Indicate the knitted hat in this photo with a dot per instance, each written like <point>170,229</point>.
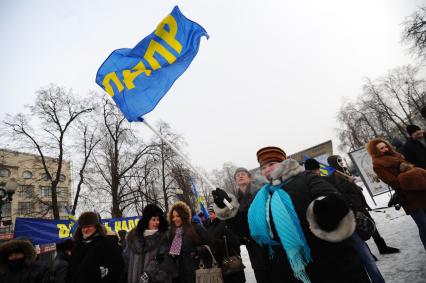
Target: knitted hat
<point>241,169</point>
<point>311,164</point>
<point>88,218</point>
<point>412,128</point>
<point>270,154</point>
<point>210,209</point>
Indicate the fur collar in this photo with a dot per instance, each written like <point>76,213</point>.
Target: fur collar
<point>18,244</point>
<point>225,213</point>
<point>285,170</point>
<point>345,229</point>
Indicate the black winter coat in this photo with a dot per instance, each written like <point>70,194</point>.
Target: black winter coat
<point>98,261</point>
<point>217,231</point>
<point>60,266</point>
<point>27,273</point>
<point>333,262</point>
<point>188,260</point>
<point>415,152</point>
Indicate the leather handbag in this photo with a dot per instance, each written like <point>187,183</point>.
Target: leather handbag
<point>365,226</point>
<point>208,275</point>
<point>231,264</point>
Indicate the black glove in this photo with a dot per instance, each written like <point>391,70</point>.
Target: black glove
<point>329,211</point>
<point>218,196</point>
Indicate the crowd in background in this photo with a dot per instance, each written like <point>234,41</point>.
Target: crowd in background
<point>298,227</point>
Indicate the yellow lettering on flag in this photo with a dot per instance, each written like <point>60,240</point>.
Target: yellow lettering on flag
<point>117,226</point>
<point>107,226</point>
<point>124,225</point>
<point>130,76</point>
<point>64,232</point>
<point>154,47</point>
<point>169,36</point>
<point>107,83</point>
<point>131,224</point>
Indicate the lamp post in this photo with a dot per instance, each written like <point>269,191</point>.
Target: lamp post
<point>6,193</point>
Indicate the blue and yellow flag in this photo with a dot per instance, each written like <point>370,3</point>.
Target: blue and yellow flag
<point>138,78</point>
<point>325,170</point>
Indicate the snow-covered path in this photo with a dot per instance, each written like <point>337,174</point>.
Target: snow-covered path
<point>398,230</point>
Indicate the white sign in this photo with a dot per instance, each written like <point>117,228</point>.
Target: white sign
<point>364,164</point>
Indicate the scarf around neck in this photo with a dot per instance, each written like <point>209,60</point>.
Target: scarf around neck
<point>287,226</point>
<point>177,242</point>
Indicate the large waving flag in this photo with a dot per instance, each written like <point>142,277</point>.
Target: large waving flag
<point>138,78</point>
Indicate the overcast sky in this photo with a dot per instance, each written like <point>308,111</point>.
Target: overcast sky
<point>272,72</point>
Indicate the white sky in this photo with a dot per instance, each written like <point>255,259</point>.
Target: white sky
<point>272,72</point>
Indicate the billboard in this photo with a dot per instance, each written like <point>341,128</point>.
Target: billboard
<point>362,161</point>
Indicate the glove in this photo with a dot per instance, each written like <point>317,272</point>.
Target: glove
<point>329,211</point>
<point>218,196</point>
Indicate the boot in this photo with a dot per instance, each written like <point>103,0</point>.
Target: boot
<point>388,250</point>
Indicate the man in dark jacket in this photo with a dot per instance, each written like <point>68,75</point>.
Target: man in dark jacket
<point>18,263</point>
<point>301,222</point>
<point>356,198</point>
<point>245,192</point>
<point>415,146</point>
<point>59,268</point>
<point>96,257</point>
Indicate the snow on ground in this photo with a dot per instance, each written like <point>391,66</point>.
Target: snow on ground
<point>399,231</point>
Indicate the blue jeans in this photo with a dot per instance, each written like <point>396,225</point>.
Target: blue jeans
<point>419,216</point>
<point>367,259</point>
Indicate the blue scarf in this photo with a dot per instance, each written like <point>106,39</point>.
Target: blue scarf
<point>286,223</point>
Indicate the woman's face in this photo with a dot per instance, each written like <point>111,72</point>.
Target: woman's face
<point>154,223</point>
<point>177,221</point>
<point>88,231</point>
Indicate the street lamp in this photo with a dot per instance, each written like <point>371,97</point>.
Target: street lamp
<point>6,193</point>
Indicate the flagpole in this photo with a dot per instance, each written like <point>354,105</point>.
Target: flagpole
<point>185,159</point>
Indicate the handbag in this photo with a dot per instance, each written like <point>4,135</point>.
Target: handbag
<point>231,264</point>
<point>365,226</point>
<point>208,275</point>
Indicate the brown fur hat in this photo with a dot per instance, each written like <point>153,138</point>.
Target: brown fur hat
<point>270,154</point>
<point>22,245</point>
<point>371,147</point>
<point>183,210</point>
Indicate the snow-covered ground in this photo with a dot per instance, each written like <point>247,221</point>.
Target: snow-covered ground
<point>398,230</point>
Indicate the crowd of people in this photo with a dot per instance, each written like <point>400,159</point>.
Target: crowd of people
<point>298,226</point>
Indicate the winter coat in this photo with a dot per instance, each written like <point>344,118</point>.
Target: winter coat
<point>387,169</point>
<point>60,267</point>
<point>415,152</point>
<point>147,254</point>
<point>22,271</point>
<point>333,255</point>
<point>97,259</point>
<point>217,230</point>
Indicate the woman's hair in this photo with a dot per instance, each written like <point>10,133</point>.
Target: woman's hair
<point>372,149</point>
<point>184,213</point>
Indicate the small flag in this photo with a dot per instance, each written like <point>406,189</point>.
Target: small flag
<point>325,170</point>
<point>73,221</point>
<point>199,199</point>
<point>138,78</point>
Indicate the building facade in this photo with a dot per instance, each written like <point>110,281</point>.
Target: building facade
<point>33,197</point>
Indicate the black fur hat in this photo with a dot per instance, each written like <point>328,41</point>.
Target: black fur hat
<point>23,245</point>
<point>311,164</point>
<point>88,218</point>
<point>148,212</point>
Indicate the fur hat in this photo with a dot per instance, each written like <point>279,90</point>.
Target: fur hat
<point>23,245</point>
<point>412,129</point>
<point>241,169</point>
<point>88,218</point>
<point>148,212</point>
<point>183,210</point>
<point>311,164</point>
<point>270,154</point>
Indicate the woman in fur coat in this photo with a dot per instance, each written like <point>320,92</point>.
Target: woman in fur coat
<point>388,165</point>
<point>301,222</point>
<point>96,257</point>
<point>147,247</point>
<point>18,263</point>
<point>187,240</point>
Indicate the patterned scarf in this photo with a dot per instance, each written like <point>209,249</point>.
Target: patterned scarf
<point>177,242</point>
<point>286,223</point>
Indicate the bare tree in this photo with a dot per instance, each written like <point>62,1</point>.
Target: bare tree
<point>118,153</point>
<point>415,32</point>
<point>56,110</point>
